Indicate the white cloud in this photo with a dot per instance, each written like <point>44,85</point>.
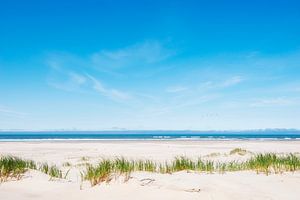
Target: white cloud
<point>175,89</point>
<point>225,83</point>
<point>67,80</point>
<point>185,102</point>
<point>75,73</point>
<point>232,81</point>
<point>75,82</point>
<point>108,92</point>
<point>137,55</point>
<point>77,78</point>
<point>9,112</point>
<point>279,101</point>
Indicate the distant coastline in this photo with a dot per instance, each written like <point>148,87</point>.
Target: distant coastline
<point>155,130</point>
<point>268,134</point>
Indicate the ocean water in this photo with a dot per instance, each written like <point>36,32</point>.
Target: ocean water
<point>150,135</point>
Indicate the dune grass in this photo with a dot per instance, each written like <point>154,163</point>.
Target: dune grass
<point>270,162</point>
<point>84,158</point>
<point>238,151</point>
<point>100,173</point>
<point>13,168</point>
<point>52,170</point>
<point>261,163</point>
<point>67,164</point>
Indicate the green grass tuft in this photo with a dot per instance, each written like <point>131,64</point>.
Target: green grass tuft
<point>67,164</point>
<point>270,162</point>
<point>13,167</point>
<point>238,151</point>
<point>53,171</point>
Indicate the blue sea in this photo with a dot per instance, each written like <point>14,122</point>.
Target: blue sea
<point>150,135</point>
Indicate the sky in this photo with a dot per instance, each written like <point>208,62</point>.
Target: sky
<point>149,65</point>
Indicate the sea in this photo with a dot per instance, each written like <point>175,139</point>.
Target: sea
<point>150,135</point>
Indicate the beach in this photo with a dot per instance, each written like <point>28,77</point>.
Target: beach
<point>72,155</point>
<point>149,100</point>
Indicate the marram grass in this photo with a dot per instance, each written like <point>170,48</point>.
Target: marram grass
<point>13,168</point>
<point>53,171</point>
<point>238,151</point>
<point>270,162</point>
<point>261,163</point>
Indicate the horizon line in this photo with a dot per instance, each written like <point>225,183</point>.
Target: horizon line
<point>150,130</point>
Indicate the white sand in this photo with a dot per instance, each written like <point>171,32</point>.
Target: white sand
<point>182,185</point>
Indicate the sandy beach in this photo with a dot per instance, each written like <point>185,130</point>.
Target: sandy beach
<point>149,100</point>
<point>146,185</point>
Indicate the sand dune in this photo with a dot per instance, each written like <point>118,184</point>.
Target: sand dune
<point>144,185</point>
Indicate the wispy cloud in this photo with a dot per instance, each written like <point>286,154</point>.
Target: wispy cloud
<point>278,101</point>
<point>197,94</point>
<point>77,78</point>
<point>75,82</point>
<point>231,81</point>
<point>74,73</point>
<point>176,89</point>
<point>207,85</point>
<point>137,55</point>
<point>67,81</point>
<point>177,104</point>
<point>108,92</point>
<point>222,83</point>
<point>12,113</point>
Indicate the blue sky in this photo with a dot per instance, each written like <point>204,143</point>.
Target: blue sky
<point>110,65</point>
